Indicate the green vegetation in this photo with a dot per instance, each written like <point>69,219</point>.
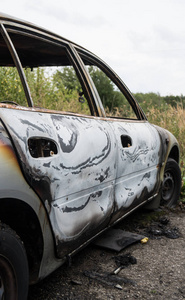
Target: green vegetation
<point>10,86</point>
<point>48,89</point>
<point>172,118</point>
<point>160,102</point>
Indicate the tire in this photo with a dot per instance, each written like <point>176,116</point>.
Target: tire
<point>14,274</point>
<point>171,185</point>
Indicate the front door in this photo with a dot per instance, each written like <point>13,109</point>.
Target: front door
<point>66,158</point>
<point>70,163</point>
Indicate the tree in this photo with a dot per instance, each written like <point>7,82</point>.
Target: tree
<point>66,77</point>
<point>173,100</point>
<point>111,97</point>
<point>10,86</point>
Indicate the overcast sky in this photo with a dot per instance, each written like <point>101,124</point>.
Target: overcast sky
<point>142,40</point>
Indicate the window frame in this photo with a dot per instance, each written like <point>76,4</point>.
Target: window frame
<point>88,56</point>
<point>70,52</point>
<point>76,55</point>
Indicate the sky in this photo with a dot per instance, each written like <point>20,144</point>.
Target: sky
<point>142,40</point>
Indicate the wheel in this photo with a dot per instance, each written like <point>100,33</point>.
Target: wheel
<point>171,184</point>
<point>14,275</point>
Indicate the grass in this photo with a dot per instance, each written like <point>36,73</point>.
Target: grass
<point>172,119</point>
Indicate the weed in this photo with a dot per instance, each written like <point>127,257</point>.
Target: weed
<point>153,292</point>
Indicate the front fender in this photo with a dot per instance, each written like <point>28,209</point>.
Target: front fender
<point>14,186</point>
<point>169,149</point>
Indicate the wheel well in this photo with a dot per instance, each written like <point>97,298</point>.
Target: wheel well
<point>23,220</point>
<point>174,154</point>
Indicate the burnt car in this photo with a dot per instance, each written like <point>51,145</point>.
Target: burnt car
<point>74,161</point>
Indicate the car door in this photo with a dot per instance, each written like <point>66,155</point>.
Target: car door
<point>70,162</point>
<point>138,148</point>
<point>67,158</point>
<point>137,141</point>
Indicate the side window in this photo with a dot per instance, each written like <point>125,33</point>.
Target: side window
<point>50,75</point>
<point>114,101</point>
<point>57,88</point>
<point>11,89</point>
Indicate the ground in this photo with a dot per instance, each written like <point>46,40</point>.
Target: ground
<point>156,271</point>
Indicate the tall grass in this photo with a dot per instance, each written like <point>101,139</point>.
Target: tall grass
<point>172,119</point>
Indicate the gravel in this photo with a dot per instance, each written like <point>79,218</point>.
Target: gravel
<point>158,273</point>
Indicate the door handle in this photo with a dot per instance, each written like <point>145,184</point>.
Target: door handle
<point>126,141</point>
<point>42,147</point>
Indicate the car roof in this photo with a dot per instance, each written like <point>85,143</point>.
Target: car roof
<point>24,26</point>
<point>11,20</point>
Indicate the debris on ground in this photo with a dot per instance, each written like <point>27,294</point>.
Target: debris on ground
<point>162,228</point>
<point>123,261</point>
<point>117,239</point>
<point>76,282</point>
<point>144,241</point>
<point>108,279</point>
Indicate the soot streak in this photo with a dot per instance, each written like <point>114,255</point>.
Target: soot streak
<point>90,161</point>
<point>47,165</point>
<point>136,154</point>
<point>75,209</point>
<point>72,143</point>
<point>147,176</point>
<point>101,178</point>
<point>25,122</point>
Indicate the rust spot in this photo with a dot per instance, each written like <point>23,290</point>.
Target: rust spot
<point>159,166</point>
<point>8,156</point>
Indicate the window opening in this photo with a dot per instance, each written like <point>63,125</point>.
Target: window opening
<point>114,101</point>
<point>11,89</point>
<point>50,75</point>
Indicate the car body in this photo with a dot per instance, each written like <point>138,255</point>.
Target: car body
<point>66,176</point>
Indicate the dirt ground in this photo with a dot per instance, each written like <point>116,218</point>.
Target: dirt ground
<point>156,271</point>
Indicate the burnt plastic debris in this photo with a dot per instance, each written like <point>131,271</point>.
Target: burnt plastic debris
<point>162,228</point>
<point>172,233</point>
<point>164,220</point>
<point>111,279</point>
<point>107,278</point>
<point>125,260</point>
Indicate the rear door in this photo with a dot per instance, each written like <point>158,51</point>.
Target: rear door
<point>137,141</point>
<point>137,177</point>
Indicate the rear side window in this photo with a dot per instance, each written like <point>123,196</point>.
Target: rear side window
<point>115,103</point>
